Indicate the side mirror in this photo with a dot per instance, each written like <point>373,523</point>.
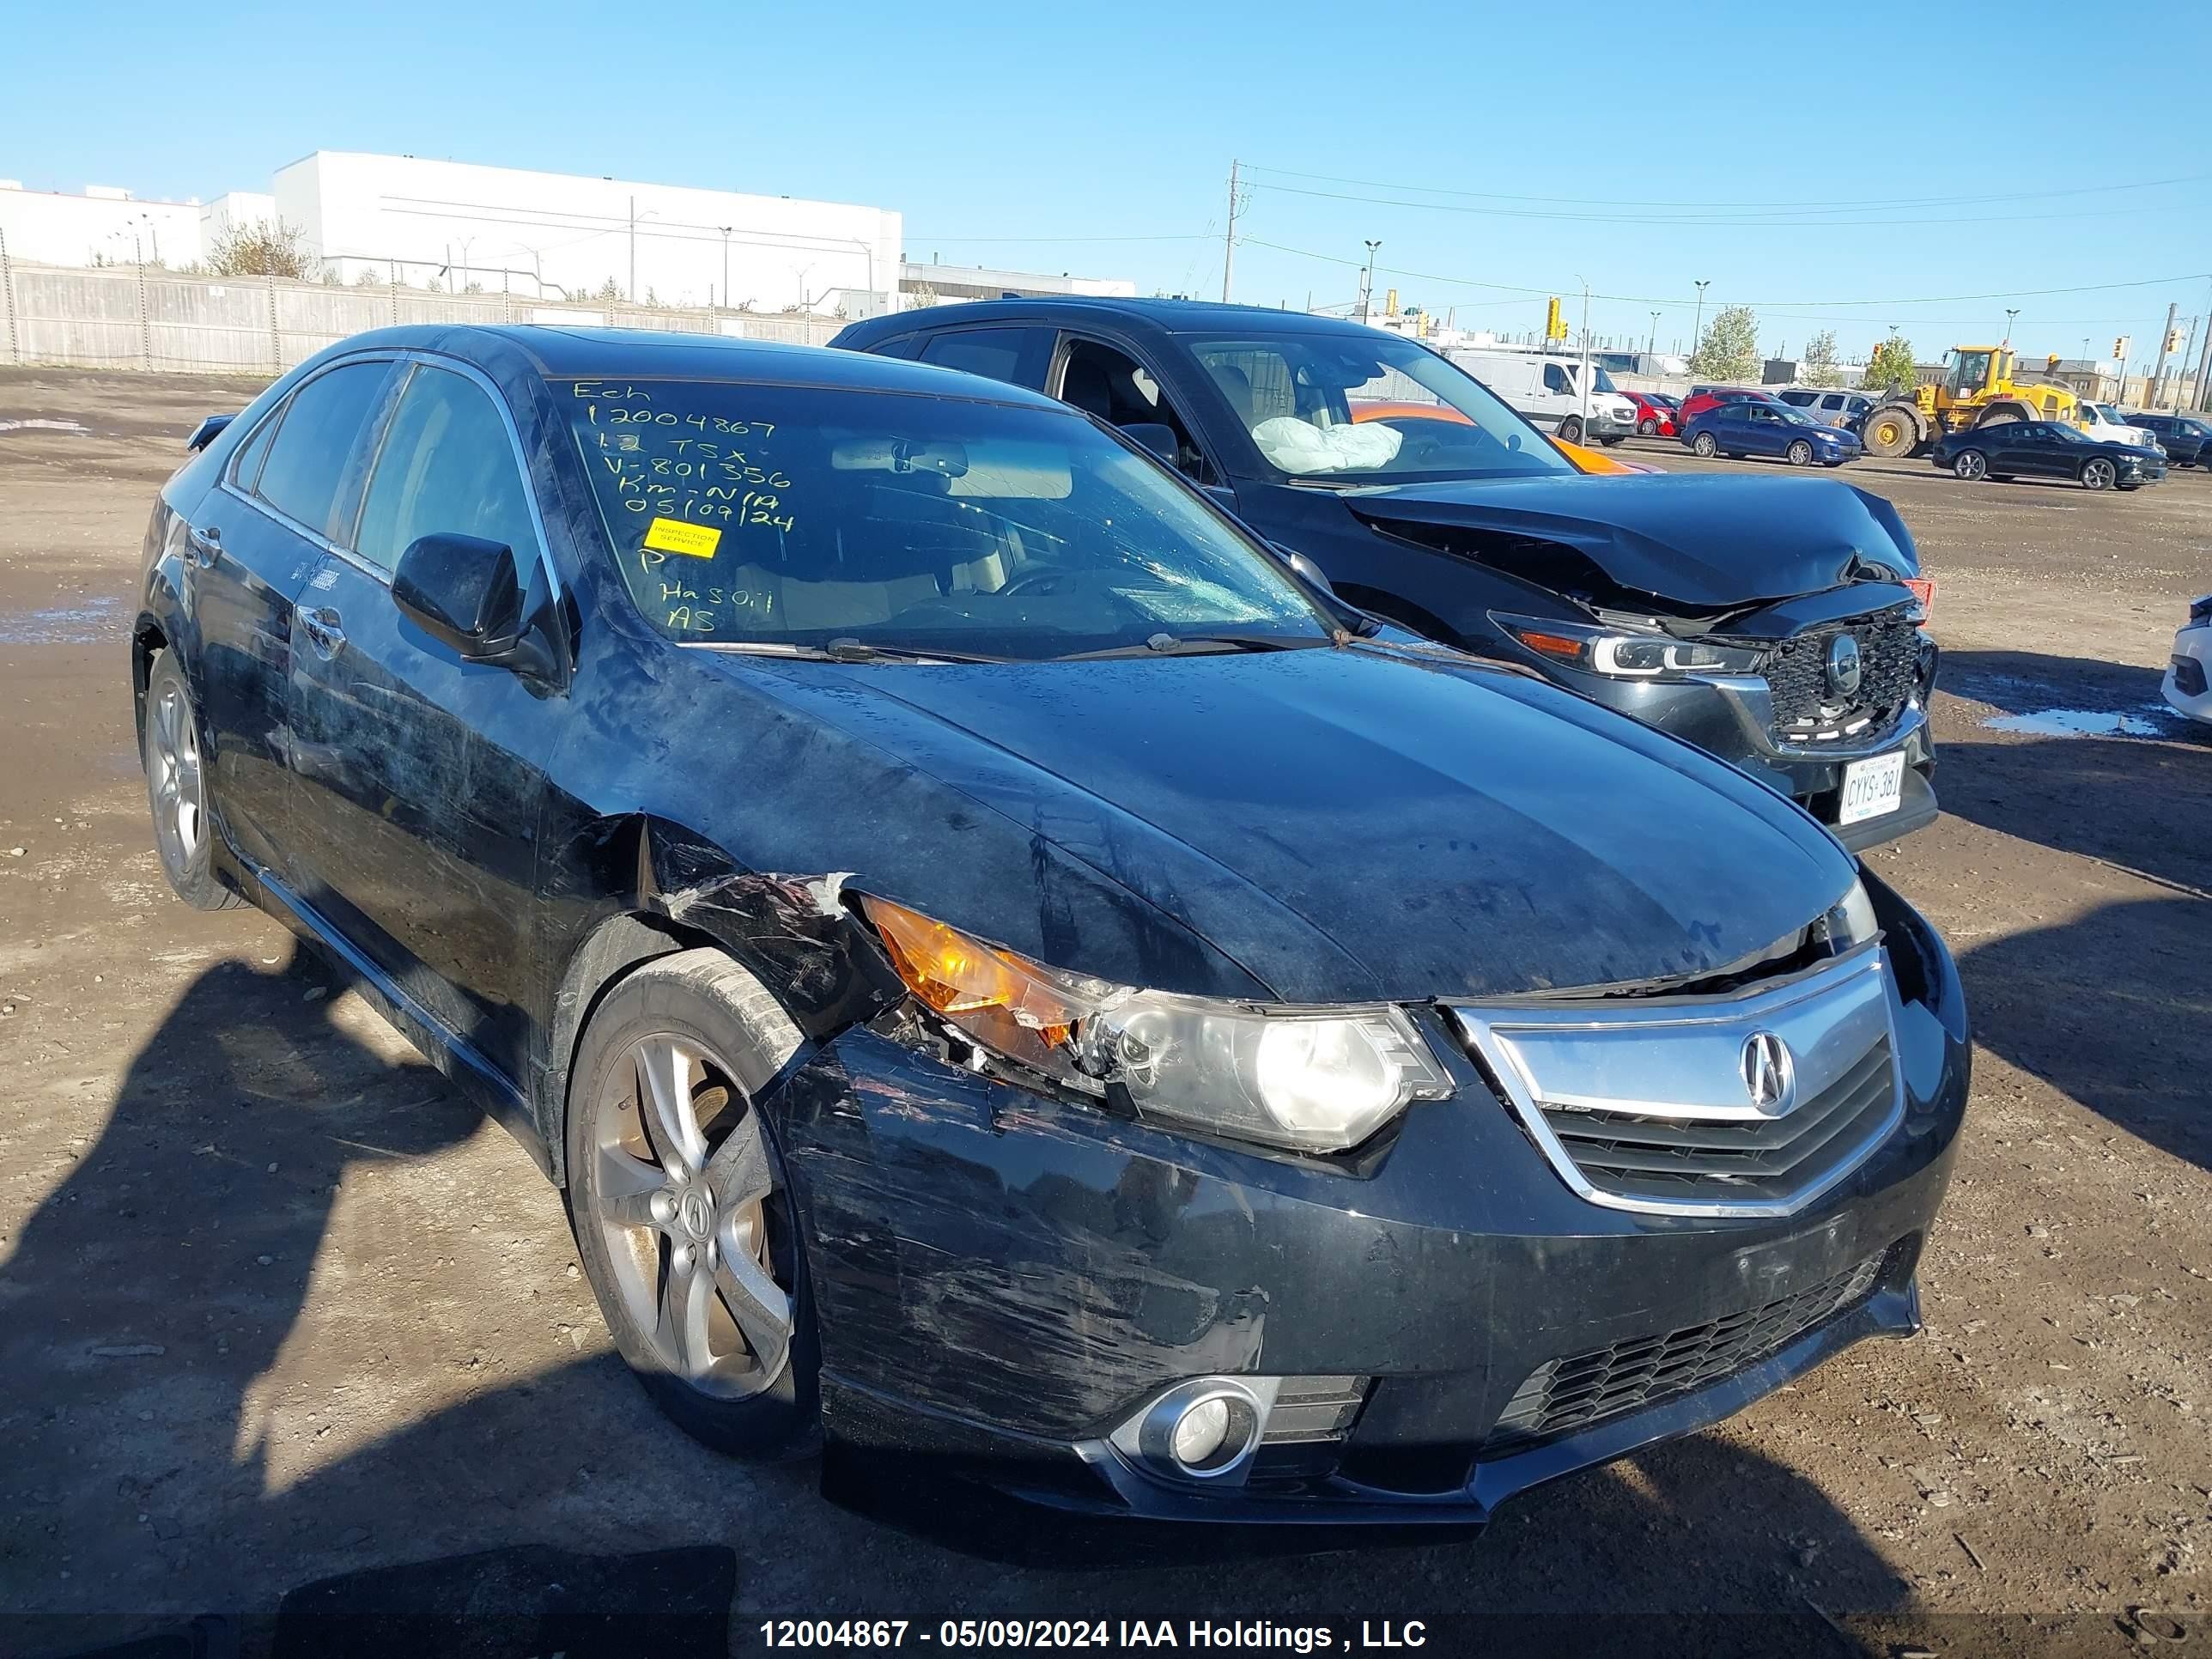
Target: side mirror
<point>1307,571</point>
<point>461,590</point>
<point>1156,435</point>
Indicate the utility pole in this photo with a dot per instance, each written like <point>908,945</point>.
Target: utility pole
<point>1367,281</point>
<point>1229,235</point>
<point>2158,367</point>
<point>726,230</point>
<point>1696,335</point>
<point>1583,381</point>
<point>2181,363</point>
<point>633,250</point>
<point>2203,398</point>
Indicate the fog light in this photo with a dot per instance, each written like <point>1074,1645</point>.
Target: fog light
<point>1199,1431</point>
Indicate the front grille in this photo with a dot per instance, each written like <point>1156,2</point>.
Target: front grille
<point>1637,1156</point>
<point>1562,1395</point>
<point>1806,709</point>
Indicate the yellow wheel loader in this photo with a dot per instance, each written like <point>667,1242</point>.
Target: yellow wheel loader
<point>1976,390</point>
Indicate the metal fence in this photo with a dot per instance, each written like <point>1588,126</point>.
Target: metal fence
<point>142,317</point>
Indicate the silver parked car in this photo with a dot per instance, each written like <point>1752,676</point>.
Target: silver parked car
<point>1826,405</point>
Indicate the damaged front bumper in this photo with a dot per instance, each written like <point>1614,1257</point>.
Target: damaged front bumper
<point>1007,1285</point>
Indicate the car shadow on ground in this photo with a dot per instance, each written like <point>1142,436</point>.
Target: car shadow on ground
<point>145,1304</point>
<point>2131,800</point>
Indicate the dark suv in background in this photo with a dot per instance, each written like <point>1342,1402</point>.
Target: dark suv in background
<point>2184,437</point>
<point>1767,620</point>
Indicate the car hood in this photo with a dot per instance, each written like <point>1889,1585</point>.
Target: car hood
<point>1705,544</point>
<point>1344,824</point>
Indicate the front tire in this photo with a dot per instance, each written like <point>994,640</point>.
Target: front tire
<point>1571,429</point>
<point>683,1212</point>
<point>1892,430</point>
<point>1703,445</point>
<point>2098,473</point>
<point>1972,465</point>
<point>1800,453</point>
<point>177,790</point>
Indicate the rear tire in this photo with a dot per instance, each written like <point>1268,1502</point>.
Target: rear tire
<point>683,1215</point>
<point>177,790</point>
<point>2098,473</point>
<point>1703,445</point>
<point>1647,427</point>
<point>1800,453</point>
<point>2004,414</point>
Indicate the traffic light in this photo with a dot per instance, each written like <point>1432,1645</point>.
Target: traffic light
<point>1555,325</point>
<point>2173,339</point>
<point>2120,346</point>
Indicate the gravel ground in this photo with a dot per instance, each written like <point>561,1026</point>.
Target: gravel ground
<point>275,1304</point>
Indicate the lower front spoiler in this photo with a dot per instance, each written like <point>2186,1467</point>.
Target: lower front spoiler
<point>906,1466</point>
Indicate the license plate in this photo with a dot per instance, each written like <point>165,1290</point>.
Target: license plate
<point>1872,787</point>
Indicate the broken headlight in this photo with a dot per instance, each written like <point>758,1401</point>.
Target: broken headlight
<point>1850,922</point>
<point>1624,654</point>
<point>1314,1080</point>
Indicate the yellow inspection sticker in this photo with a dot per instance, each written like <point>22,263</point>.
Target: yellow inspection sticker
<point>699,541</point>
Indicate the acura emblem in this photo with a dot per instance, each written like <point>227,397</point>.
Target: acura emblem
<point>1770,1077</point>
<point>1844,665</point>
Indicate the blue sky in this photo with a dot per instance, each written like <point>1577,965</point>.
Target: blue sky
<point>1525,147</point>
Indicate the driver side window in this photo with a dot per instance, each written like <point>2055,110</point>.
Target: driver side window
<point>1555,380</point>
<point>1111,384</point>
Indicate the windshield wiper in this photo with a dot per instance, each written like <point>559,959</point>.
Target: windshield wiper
<point>840,650</point>
<point>1170,645</point>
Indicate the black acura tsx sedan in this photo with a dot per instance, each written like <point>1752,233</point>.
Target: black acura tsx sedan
<point>1007,970</point>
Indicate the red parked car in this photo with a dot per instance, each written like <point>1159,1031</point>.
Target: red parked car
<point>1703,397</point>
<point>1655,415</point>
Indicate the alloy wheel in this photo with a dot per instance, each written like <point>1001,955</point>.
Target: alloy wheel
<point>2098,474</point>
<point>1704,444</point>
<point>1801,454</point>
<point>693,1218</point>
<point>1971,466</point>
<point>179,790</point>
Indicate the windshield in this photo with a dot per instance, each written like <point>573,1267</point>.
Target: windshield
<point>792,516</point>
<point>1795,417</point>
<point>1366,407</point>
<point>1600,380</point>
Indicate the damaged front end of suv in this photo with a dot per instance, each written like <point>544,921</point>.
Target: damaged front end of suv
<point>1777,624</point>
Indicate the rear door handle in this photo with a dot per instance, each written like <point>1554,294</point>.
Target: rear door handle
<point>205,546</point>
<point>324,631</point>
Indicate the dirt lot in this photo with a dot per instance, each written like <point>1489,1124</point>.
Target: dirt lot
<point>275,1304</point>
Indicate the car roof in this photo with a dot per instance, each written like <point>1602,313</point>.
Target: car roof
<point>1164,316</point>
<point>558,352</point>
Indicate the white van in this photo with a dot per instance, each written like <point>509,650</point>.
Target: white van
<point>1545,389</point>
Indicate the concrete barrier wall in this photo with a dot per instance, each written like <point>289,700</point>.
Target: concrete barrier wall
<point>146,317</point>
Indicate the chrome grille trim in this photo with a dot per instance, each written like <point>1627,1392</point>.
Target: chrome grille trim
<point>1638,1104</point>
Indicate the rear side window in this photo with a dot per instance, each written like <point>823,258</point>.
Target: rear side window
<point>318,442</point>
<point>447,467</point>
<point>245,469</point>
<point>1012,354</point>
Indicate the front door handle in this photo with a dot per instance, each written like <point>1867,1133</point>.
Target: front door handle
<point>204,546</point>
<point>324,631</point>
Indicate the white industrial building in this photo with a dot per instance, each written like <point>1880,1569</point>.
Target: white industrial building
<point>109,226</point>
<point>459,227</point>
<point>551,234</point>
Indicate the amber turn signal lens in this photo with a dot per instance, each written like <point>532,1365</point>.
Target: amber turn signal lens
<point>956,974</point>
<point>1551,645</point>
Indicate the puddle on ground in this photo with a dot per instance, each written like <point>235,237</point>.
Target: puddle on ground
<point>86,623</point>
<point>2082,723</point>
<point>76,428</point>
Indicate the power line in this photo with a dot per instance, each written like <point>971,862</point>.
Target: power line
<point>1707,222</point>
<point>1808,304</point>
<point>1814,206</point>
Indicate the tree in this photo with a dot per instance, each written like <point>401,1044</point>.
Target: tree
<point>1730,351</point>
<point>608,291</point>
<point>1819,367</point>
<point>261,249</point>
<point>921,296</point>
<point>1890,369</point>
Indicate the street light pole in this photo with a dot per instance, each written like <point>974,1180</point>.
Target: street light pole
<point>1695,340</point>
<point>1367,281</point>
<point>2011,311</point>
<point>726,230</point>
<point>1651,345</point>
